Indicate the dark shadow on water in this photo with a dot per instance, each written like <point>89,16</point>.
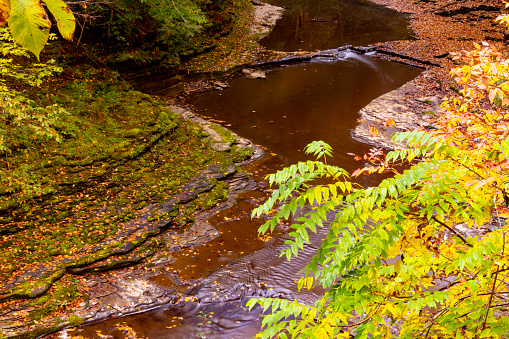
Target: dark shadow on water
<point>323,24</point>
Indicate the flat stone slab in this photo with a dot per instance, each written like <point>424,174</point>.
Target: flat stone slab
<point>406,111</point>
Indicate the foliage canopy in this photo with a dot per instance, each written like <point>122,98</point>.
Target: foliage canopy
<point>23,123</point>
<point>397,255</point>
<point>29,22</point>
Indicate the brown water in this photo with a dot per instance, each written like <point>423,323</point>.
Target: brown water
<point>300,103</point>
<point>322,24</point>
<point>295,105</point>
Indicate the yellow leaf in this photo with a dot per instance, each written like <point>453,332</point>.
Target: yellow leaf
<point>397,266</point>
<point>5,9</point>
<point>391,309</point>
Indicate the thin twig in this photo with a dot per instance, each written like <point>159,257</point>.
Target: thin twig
<point>476,173</point>
<point>440,313</point>
<point>452,230</point>
<point>489,305</point>
<point>175,6</point>
<point>82,29</point>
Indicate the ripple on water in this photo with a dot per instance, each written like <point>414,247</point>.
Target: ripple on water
<point>294,106</point>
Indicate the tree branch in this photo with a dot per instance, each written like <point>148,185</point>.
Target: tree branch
<point>452,230</point>
<point>175,6</point>
<point>489,305</point>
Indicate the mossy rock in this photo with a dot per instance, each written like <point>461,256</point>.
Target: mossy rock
<point>240,154</point>
<point>133,133</point>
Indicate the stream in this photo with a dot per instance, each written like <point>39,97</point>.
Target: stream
<point>296,104</point>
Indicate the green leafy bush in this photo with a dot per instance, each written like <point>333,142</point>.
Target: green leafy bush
<point>398,256</point>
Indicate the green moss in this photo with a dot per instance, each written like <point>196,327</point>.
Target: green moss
<point>34,289</point>
<point>240,154</point>
<point>225,134</point>
<point>121,150</point>
<point>172,213</point>
<point>133,133</point>
<point>124,150</point>
<point>58,298</point>
<point>217,194</point>
<point>74,320</point>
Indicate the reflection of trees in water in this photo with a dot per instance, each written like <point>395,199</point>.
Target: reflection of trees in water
<point>322,24</point>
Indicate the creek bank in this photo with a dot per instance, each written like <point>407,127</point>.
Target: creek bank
<point>441,29</point>
<point>143,233</point>
<point>134,289</point>
<point>148,238</point>
<point>233,52</point>
<point>407,105</point>
<point>404,107</point>
<point>437,37</point>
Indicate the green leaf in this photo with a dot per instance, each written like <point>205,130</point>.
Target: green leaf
<point>64,17</point>
<point>29,24</point>
<point>485,333</point>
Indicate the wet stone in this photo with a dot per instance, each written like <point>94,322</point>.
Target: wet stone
<point>220,171</point>
<point>220,146</point>
<point>254,74</point>
<point>186,196</point>
<point>407,114</point>
<point>200,184</point>
<point>240,182</point>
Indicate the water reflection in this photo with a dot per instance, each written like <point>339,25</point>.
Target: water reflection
<point>323,24</point>
<point>306,102</point>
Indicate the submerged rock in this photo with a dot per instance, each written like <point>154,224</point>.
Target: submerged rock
<point>254,74</point>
